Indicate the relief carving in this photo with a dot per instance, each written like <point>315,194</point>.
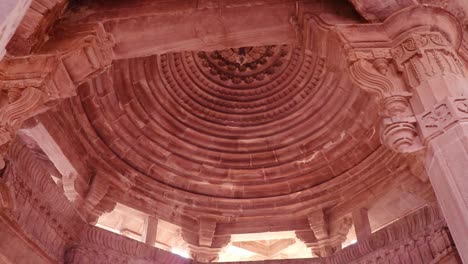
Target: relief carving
<point>15,112</point>
<point>437,118</point>
<point>244,65</point>
<point>443,115</point>
<point>371,70</point>
<point>421,56</point>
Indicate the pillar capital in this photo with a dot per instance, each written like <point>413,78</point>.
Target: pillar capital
<point>203,242</point>
<point>397,61</point>
<point>325,236</point>
<point>420,83</point>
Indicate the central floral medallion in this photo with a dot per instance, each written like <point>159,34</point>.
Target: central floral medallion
<point>244,64</point>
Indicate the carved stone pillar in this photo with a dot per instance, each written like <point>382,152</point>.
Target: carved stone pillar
<point>204,244</point>
<point>325,237</point>
<point>415,68</point>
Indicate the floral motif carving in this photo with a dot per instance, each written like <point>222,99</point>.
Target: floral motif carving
<point>245,64</point>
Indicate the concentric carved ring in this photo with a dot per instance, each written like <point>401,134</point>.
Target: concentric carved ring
<point>176,133</point>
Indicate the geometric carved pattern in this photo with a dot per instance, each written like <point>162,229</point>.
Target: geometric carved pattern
<point>446,113</point>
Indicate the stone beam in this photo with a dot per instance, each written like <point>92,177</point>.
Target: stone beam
<point>266,248</point>
<point>140,33</point>
<point>71,180</point>
<point>11,14</point>
<point>378,10</point>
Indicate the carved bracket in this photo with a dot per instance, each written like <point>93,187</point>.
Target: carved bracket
<point>205,245</point>
<point>371,70</point>
<point>206,232</point>
<point>325,238</point>
<point>318,224</point>
<point>95,202</point>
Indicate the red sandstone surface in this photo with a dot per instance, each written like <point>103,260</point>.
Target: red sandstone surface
<point>249,130</point>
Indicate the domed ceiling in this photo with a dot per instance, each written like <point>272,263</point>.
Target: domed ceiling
<point>236,131</point>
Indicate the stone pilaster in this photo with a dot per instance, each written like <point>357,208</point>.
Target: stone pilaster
<point>421,57</point>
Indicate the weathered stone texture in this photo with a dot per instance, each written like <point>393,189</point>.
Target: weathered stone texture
<point>294,121</point>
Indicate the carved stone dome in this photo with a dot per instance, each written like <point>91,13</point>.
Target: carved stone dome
<point>252,122</point>
<point>232,130</point>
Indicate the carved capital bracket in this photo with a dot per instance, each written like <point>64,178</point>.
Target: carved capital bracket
<point>206,232</point>
<point>204,244</point>
<point>32,84</point>
<point>369,69</point>
<point>372,70</point>
<point>318,224</point>
<point>95,203</point>
<point>325,237</point>
<point>397,61</point>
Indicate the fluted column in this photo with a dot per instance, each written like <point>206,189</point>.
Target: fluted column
<point>422,89</point>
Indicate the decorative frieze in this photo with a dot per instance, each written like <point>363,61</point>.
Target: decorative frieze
<point>425,55</point>
<point>34,206</point>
